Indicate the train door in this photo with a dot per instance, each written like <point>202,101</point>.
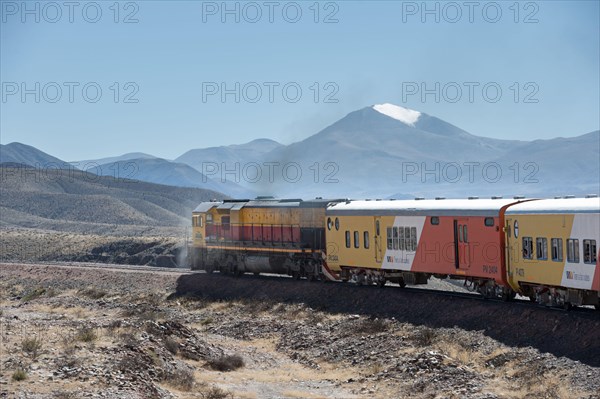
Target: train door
<point>508,250</point>
<point>377,239</point>
<point>461,244</point>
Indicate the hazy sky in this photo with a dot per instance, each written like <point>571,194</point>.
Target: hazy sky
<point>526,70</point>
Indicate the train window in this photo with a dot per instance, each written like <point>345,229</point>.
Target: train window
<point>489,222</point>
<point>356,239</point>
<point>465,237</point>
<point>527,247</point>
<point>407,238</point>
<point>389,238</point>
<point>435,220</point>
<point>337,223</point>
<point>460,232</point>
<point>200,221</point>
<point>329,224</point>
<point>366,239</point>
<point>209,217</point>
<point>573,250</point>
<point>395,241</point>
<point>225,222</point>
<point>413,238</point>
<point>557,249</point>
<point>541,248</point>
<point>347,239</point>
<point>401,239</point>
<point>589,251</point>
<point>377,227</point>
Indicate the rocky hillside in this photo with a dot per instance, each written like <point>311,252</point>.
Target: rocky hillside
<point>76,201</point>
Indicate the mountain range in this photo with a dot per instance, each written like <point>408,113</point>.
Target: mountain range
<point>380,151</point>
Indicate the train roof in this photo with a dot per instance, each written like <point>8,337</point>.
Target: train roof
<point>557,206</point>
<point>206,206</point>
<point>264,202</point>
<point>438,207</point>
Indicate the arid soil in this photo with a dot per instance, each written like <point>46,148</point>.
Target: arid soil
<point>99,332</point>
<point>165,248</point>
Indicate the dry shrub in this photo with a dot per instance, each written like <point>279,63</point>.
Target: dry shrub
<point>31,346</point>
<point>255,307</point>
<point>19,375</point>
<point>69,361</point>
<point>115,324</point>
<point>182,379</point>
<point>226,363</point>
<point>424,336</point>
<point>128,338</point>
<point>64,395</point>
<point>216,393</point>
<point>93,293</point>
<point>143,313</point>
<point>33,294</point>
<point>87,334</point>
<point>371,326</point>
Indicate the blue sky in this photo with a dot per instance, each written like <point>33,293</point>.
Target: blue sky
<point>543,56</point>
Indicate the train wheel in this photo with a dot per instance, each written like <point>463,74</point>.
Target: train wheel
<point>567,306</point>
<point>401,283</point>
<point>381,283</point>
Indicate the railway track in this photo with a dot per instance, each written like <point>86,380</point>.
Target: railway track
<point>108,266</point>
<point>524,303</point>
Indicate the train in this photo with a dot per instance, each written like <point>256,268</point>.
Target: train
<point>542,249</point>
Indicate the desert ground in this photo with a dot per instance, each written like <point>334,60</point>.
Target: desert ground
<point>95,331</point>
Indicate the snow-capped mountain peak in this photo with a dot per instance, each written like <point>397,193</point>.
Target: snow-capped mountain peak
<point>404,115</point>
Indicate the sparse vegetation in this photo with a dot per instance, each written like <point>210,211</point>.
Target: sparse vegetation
<point>226,363</point>
<point>87,334</point>
<point>33,294</point>
<point>143,312</point>
<point>19,375</point>
<point>70,361</point>
<point>115,324</point>
<point>127,338</point>
<point>93,293</point>
<point>31,346</point>
<point>216,393</point>
<point>64,395</point>
<point>181,378</point>
<point>68,345</point>
<point>424,336</point>
<point>371,326</point>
